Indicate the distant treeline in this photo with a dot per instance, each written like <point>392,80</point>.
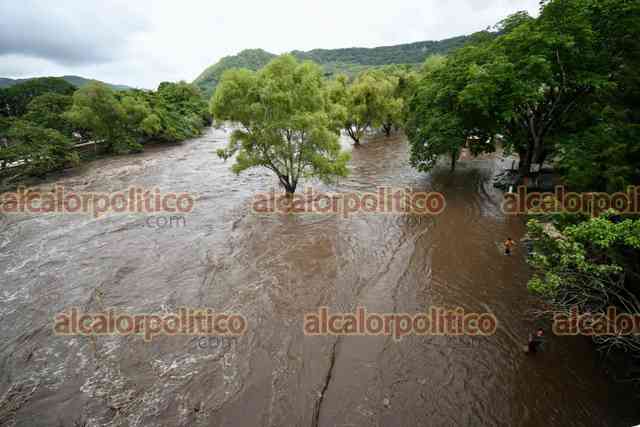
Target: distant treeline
<point>43,120</point>
<point>77,81</point>
<point>350,61</point>
<point>411,53</point>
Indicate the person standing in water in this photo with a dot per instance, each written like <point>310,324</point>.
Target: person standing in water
<point>508,244</point>
<point>535,341</point>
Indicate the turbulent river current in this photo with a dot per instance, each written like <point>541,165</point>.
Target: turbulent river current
<point>272,269</point>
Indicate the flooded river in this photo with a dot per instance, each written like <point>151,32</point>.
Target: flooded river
<point>273,269</point>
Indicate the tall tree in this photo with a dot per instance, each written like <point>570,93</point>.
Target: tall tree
<point>531,80</point>
<point>437,124</point>
<point>97,110</point>
<point>47,110</point>
<point>285,120</point>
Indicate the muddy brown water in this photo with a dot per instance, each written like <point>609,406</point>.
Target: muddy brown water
<point>273,269</point>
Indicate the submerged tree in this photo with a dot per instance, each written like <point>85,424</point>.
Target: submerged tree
<point>403,81</point>
<point>437,124</point>
<point>286,121</point>
<point>371,100</point>
<point>529,81</point>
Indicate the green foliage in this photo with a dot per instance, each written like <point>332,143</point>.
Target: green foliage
<point>47,111</point>
<point>590,258</point>
<point>75,81</point>
<point>540,82</point>
<point>599,150</point>
<point>180,110</point>
<point>441,115</point>
<point>411,53</point>
<point>398,84</point>
<point>602,157</point>
<point>41,150</point>
<point>121,120</point>
<point>125,120</point>
<point>15,99</point>
<point>285,121</point>
<point>373,99</point>
<point>351,61</point>
<point>250,59</point>
<point>97,110</point>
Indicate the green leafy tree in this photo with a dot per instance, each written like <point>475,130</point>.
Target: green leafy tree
<point>365,102</point>
<point>590,266</point>
<point>599,150</point>
<point>180,111</point>
<point>284,119</point>
<point>401,81</point>
<point>530,81</point>
<point>47,111</point>
<point>97,109</point>
<point>39,150</point>
<point>437,123</point>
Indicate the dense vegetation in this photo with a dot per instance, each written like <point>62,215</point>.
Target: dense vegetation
<point>564,88</point>
<point>291,116</point>
<point>548,85</point>
<point>349,61</point>
<point>250,59</point>
<point>76,81</point>
<point>374,99</point>
<point>43,120</point>
<point>411,53</point>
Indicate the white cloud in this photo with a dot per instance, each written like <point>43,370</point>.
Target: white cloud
<point>144,42</point>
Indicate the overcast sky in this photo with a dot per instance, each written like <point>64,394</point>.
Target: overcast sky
<point>142,43</point>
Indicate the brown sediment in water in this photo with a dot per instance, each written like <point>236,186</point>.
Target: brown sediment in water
<point>273,269</point>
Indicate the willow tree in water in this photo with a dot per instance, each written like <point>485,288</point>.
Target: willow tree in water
<point>285,122</point>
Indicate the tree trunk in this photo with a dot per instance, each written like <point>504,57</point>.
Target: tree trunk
<point>454,159</point>
<point>353,136</point>
<point>526,156</point>
<point>387,129</point>
<point>540,155</point>
<point>289,187</point>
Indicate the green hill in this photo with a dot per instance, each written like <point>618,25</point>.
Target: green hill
<point>252,59</point>
<point>411,53</point>
<point>349,60</point>
<point>77,81</point>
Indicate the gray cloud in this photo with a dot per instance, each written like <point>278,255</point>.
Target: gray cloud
<point>144,42</point>
<point>67,32</point>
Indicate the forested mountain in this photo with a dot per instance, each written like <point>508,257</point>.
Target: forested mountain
<point>76,81</point>
<point>411,53</point>
<point>252,59</point>
<point>349,60</point>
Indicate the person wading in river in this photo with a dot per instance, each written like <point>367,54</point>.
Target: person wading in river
<point>508,244</point>
<point>535,342</point>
